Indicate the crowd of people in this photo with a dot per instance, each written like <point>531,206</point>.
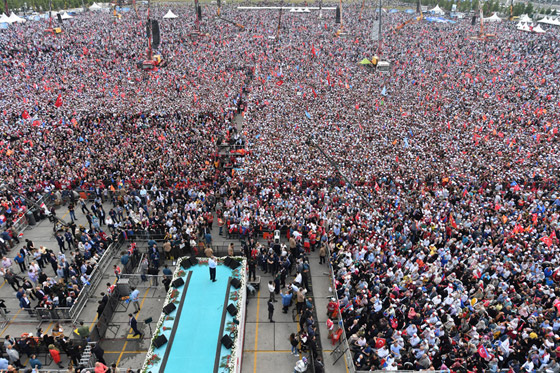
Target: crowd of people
<point>434,188</point>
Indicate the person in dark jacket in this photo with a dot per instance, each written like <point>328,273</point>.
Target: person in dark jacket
<point>98,352</point>
<point>134,325</point>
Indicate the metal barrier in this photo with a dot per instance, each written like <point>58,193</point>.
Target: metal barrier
<point>20,224</point>
<point>96,277</point>
<point>343,339</point>
<point>143,281</point>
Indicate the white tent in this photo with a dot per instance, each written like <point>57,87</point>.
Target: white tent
<point>13,18</point>
<point>538,30</point>
<point>437,10</point>
<point>66,16</point>
<point>550,21</point>
<point>493,18</point>
<point>300,10</point>
<point>4,19</point>
<point>95,7</point>
<point>169,15</point>
<point>525,18</point>
<point>525,27</point>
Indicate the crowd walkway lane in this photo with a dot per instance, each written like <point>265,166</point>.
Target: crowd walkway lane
<point>267,346</point>
<point>320,276</point>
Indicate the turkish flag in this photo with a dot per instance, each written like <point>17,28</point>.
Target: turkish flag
<point>452,221</point>
<point>58,102</point>
<point>25,114</point>
<point>279,83</point>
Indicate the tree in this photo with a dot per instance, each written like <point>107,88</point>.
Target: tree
<point>529,9</point>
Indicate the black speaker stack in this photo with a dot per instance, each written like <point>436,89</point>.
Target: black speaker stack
<point>226,341</point>
<point>160,341</point>
<point>235,283</point>
<point>232,310</point>
<point>178,283</point>
<point>188,263</point>
<point>231,263</point>
<point>337,14</point>
<point>169,308</point>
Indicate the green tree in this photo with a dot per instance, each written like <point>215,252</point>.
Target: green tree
<point>529,9</point>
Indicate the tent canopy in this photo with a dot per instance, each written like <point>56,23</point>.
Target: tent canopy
<point>95,7</point>
<point>493,18</point>
<point>13,18</point>
<point>66,16</point>
<point>436,10</point>
<point>365,61</point>
<point>169,15</point>
<point>538,30</point>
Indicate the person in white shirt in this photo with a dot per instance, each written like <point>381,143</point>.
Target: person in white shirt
<point>212,264</point>
<point>271,290</point>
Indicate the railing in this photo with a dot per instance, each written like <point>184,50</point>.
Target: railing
<point>343,339</point>
<point>20,224</point>
<point>96,277</point>
<point>143,281</point>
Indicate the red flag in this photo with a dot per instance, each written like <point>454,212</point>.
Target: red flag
<point>452,221</point>
<point>547,241</point>
<point>314,93</point>
<point>279,83</point>
<point>25,114</point>
<point>377,188</point>
<point>535,219</point>
<point>483,352</point>
<point>313,51</point>
<point>58,102</point>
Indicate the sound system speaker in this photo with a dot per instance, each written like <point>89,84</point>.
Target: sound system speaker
<point>473,22</point>
<point>232,309</point>
<point>178,283</point>
<point>59,18</point>
<point>337,14</point>
<point>160,341</point>
<point>199,12</point>
<point>227,261</point>
<point>227,341</point>
<point>193,261</point>
<point>219,3</point>
<point>169,308</point>
<point>234,264</point>
<point>185,264</point>
<point>236,283</point>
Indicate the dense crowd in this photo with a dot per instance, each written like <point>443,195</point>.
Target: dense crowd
<point>437,197</point>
